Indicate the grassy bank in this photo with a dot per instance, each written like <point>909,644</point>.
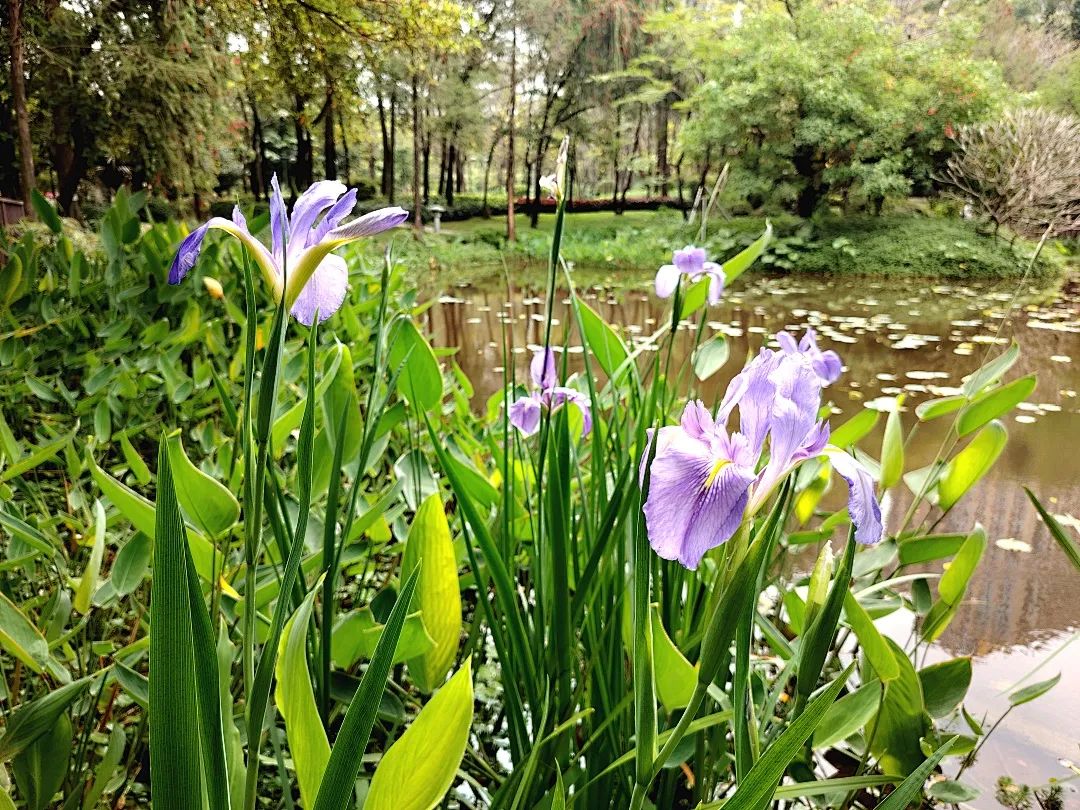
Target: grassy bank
<point>603,246</point>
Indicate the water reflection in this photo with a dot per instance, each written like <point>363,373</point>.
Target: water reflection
<point>919,339</point>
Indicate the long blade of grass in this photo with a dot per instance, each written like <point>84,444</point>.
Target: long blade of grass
<point>909,789</point>
<point>337,784</point>
<point>175,774</point>
<point>756,790</point>
<point>1068,545</point>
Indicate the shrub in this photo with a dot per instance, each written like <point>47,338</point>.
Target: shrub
<point>1021,171</point>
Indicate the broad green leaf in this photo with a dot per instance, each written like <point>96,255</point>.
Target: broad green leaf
<point>902,720</point>
<point>870,639</point>
<point>418,769</point>
<point>936,408</point>
<point>140,512</point>
<point>20,638</point>
<point>207,502</point>
<point>849,714</point>
<point>910,789</point>
<point>40,768</point>
<point>945,685</point>
<point>740,262</point>
<point>1036,690</point>
<point>131,564</point>
<point>437,594</point>
<point>89,582</point>
<point>604,343</point>
<point>969,465</point>
<point>953,584</point>
<point>892,448</point>
<point>336,790</point>
<point>45,211</point>
<point>36,457</point>
<point>710,357</point>
<point>994,403</point>
<point>421,378</point>
<point>134,461</point>
<point>134,683</point>
<point>356,635</point>
<point>675,676</point>
<point>927,548</point>
<point>176,776</point>
<point>992,371</point>
<point>855,428</point>
<point>1068,544</point>
<point>30,720</point>
<point>295,700</point>
<point>757,788</point>
<point>951,791</point>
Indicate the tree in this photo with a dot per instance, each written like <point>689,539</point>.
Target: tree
<point>1022,170</point>
<point>836,100</point>
<point>18,95</point>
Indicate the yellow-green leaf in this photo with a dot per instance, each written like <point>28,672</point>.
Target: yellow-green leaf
<point>89,582</point>
<point>20,637</point>
<point>296,701</point>
<point>892,448</point>
<point>418,769</point>
<point>969,465</point>
<point>676,677</point>
<point>994,403</point>
<point>437,593</point>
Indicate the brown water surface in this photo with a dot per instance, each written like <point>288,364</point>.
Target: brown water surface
<point>919,338</point>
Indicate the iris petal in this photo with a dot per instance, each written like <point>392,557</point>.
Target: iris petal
<point>542,369</point>
<point>324,292</point>
<point>309,206</point>
<point>525,414</point>
<point>862,503</point>
<point>341,209</point>
<point>667,279</point>
<point>187,254</point>
<point>369,224</point>
<point>279,222</point>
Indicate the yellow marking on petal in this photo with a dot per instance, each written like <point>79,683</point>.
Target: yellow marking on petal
<point>715,472</point>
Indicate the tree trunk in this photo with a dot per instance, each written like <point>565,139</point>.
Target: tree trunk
<point>662,167</point>
<point>258,146</point>
<point>538,169</point>
<point>485,212</point>
<point>460,167</point>
<point>451,158</point>
<point>305,157</point>
<point>392,178</point>
<point>427,168</point>
<point>814,189</point>
<point>18,97</point>
<point>511,234</point>
<point>344,144</point>
<point>442,166</point>
<point>329,143</point>
<point>418,223</point>
<point>387,158</point>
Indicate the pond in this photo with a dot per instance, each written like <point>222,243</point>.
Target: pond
<point>918,338</point>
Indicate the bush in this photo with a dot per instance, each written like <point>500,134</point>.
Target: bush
<point>1021,171</point>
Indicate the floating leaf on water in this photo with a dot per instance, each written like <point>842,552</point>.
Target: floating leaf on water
<point>1012,544</point>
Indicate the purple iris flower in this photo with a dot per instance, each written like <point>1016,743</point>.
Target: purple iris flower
<point>690,261</point>
<point>525,412</point>
<point>825,364</point>
<point>705,481</point>
<point>299,264</point>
